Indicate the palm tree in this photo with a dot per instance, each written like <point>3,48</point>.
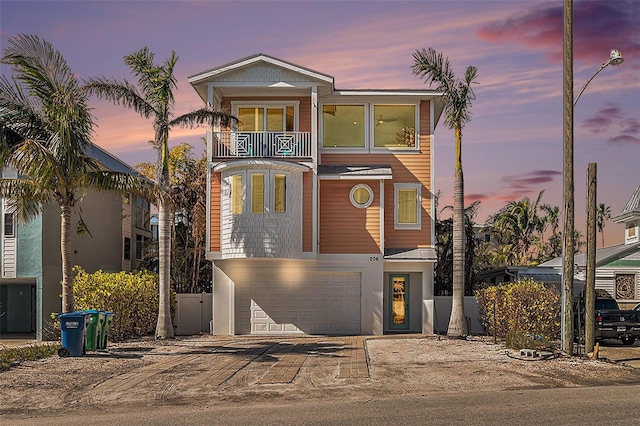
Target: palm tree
<point>457,96</point>
<point>47,124</point>
<point>153,98</point>
<point>519,226</point>
<point>603,214</point>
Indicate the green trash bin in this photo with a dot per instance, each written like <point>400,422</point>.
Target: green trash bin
<point>108,318</point>
<point>94,328</point>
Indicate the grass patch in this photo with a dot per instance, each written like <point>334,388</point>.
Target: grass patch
<point>10,357</point>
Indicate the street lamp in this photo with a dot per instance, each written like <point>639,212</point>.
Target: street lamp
<point>615,58</point>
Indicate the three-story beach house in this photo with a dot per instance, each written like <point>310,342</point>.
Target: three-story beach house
<point>320,203</point>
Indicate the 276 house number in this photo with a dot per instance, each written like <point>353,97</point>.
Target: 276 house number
<point>374,259</point>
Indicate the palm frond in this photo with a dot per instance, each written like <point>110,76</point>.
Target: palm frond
<point>121,183</point>
<point>203,116</point>
<point>23,197</point>
<point>120,93</point>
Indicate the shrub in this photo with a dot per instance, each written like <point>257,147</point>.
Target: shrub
<point>10,357</point>
<point>527,314</point>
<point>131,296</point>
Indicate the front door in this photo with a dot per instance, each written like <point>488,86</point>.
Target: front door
<point>399,301</point>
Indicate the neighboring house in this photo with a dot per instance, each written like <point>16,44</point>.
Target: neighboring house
<point>31,269</point>
<point>617,267</point>
<point>320,210</point>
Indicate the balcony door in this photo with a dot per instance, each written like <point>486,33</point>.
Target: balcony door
<point>266,118</point>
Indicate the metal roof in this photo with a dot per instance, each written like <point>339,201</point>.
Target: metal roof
<point>603,256</point>
<point>631,210</point>
<point>374,171</point>
<point>410,254</point>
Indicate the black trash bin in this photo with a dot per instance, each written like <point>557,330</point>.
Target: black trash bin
<point>73,330</point>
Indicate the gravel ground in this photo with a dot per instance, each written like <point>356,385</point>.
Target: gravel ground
<point>397,365</point>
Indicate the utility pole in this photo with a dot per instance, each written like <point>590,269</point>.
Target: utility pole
<point>568,185</point>
<point>590,291</point>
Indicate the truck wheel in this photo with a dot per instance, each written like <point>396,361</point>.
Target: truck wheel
<point>628,340</point>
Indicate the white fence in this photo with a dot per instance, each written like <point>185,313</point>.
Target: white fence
<point>442,312</point>
<point>193,313</point>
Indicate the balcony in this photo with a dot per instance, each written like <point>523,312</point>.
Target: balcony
<point>284,145</point>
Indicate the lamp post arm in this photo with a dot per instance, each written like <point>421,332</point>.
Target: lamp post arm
<point>603,66</point>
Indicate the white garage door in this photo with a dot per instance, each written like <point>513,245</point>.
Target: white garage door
<point>319,303</point>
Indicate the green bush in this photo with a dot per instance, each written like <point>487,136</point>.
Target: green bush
<point>131,296</point>
<point>527,314</point>
<point>10,356</point>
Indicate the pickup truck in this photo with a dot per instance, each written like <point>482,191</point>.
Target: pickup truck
<point>614,323</point>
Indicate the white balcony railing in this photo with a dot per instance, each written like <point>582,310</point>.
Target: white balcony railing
<point>261,145</point>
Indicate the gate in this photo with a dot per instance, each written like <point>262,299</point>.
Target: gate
<point>193,313</point>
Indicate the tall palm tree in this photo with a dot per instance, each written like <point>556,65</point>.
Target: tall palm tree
<point>153,98</point>
<point>457,96</point>
<point>45,119</point>
<point>603,213</point>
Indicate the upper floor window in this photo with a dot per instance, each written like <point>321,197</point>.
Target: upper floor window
<point>9,225</point>
<point>269,118</point>
<point>143,214</point>
<point>407,206</point>
<point>394,126</point>
<point>237,195</point>
<point>373,126</point>
<point>257,193</point>
<point>266,191</point>
<point>279,193</point>
<point>343,126</point>
<point>361,196</point>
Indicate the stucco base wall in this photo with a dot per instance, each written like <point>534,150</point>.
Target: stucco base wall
<point>305,281</point>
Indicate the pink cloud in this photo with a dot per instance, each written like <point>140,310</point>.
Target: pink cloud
<point>598,27</point>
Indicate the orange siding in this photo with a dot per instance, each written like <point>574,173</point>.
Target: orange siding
<point>343,227</point>
<point>307,212</point>
<point>214,213</point>
<point>406,168</point>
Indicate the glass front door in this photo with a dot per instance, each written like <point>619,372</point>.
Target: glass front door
<point>399,301</point>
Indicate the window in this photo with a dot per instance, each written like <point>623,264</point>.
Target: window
<point>9,226</point>
<point>279,193</point>
<point>343,126</point>
<point>407,206</point>
<point>361,196</point>
<point>142,213</point>
<point>236,194</point>
<point>631,230</point>
<point>257,193</point>
<point>127,248</point>
<point>275,118</point>
<point>139,246</point>
<point>394,126</point>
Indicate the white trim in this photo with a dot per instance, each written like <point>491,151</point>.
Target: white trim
<point>256,59</point>
<point>407,226</point>
<point>259,163</point>
<point>431,168</point>
<point>353,200</point>
<point>355,177</point>
<point>382,217</point>
<point>382,93</point>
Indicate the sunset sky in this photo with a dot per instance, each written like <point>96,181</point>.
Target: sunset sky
<point>513,146</point>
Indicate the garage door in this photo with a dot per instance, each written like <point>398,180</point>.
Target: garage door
<point>320,303</point>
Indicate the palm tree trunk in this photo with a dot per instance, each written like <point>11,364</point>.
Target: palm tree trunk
<point>164,327</point>
<point>65,250</point>
<point>457,321</point>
